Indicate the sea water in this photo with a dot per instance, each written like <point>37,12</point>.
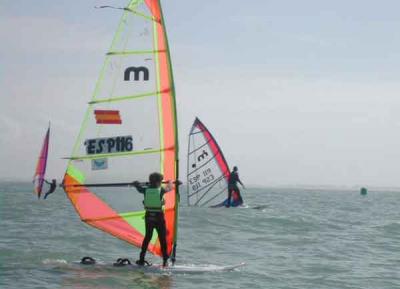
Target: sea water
<point>303,238</point>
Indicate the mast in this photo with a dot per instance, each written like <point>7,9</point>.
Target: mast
<point>172,87</point>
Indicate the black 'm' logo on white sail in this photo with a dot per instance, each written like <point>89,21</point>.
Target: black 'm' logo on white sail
<point>202,156</point>
<point>138,73</point>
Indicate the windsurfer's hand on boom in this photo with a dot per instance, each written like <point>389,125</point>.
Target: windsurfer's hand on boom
<point>169,186</point>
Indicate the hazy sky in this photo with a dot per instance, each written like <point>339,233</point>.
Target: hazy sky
<point>296,92</point>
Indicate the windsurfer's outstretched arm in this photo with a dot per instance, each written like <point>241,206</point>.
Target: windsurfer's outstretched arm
<point>240,182</point>
<point>139,187</point>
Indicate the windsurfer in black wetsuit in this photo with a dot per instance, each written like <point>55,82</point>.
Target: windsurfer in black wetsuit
<point>233,187</point>
<point>154,218</point>
<point>53,186</point>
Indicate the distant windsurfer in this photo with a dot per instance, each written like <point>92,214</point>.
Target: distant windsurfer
<point>233,187</point>
<point>52,188</point>
<point>154,218</point>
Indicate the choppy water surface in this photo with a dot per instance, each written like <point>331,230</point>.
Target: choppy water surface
<point>302,239</point>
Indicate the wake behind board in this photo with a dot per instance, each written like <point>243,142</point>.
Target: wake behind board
<point>260,207</point>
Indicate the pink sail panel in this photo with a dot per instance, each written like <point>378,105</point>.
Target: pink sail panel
<point>38,177</point>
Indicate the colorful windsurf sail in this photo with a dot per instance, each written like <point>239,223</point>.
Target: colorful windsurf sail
<point>129,131</point>
<point>38,177</point>
<point>207,170</point>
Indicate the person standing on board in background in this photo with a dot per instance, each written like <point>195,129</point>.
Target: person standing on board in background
<point>154,218</point>
<point>53,186</point>
<point>233,187</point>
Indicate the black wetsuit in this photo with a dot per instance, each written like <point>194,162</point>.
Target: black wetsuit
<point>53,186</point>
<point>154,220</point>
<point>233,187</point>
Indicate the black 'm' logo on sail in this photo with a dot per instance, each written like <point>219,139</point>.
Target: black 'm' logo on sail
<point>137,73</point>
<point>202,156</point>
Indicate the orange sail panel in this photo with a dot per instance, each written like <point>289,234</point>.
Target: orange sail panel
<point>129,131</point>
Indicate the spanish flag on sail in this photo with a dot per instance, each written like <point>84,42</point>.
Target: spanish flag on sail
<point>107,116</point>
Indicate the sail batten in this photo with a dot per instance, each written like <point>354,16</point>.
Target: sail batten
<point>129,131</point>
<point>119,98</point>
<point>142,15</point>
<point>140,152</point>
<point>136,52</point>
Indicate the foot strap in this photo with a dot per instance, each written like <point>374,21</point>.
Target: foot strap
<point>143,263</point>
<point>122,262</point>
<point>88,261</point>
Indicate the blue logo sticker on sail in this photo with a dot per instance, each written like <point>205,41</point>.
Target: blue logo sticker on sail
<point>99,164</point>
